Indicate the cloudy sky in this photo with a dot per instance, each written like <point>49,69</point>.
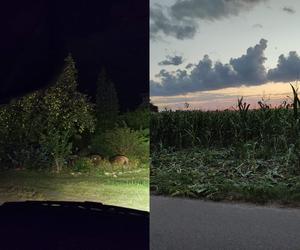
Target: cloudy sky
<point>210,52</point>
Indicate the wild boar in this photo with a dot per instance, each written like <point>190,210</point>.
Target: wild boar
<point>96,159</point>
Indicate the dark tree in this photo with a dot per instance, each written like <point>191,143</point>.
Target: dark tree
<point>107,105</point>
<point>153,108</point>
<point>67,80</point>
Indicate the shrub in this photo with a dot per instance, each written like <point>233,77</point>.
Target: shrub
<point>83,165</point>
<point>122,141</point>
<point>58,146</point>
<point>137,120</point>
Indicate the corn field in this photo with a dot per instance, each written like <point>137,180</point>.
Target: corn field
<point>277,128</point>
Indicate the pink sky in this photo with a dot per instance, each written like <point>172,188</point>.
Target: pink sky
<point>221,99</point>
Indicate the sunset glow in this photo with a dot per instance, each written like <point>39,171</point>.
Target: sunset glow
<point>273,93</point>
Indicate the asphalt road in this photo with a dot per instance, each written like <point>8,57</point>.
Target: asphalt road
<point>192,224</point>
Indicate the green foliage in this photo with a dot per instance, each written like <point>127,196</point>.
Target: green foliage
<point>66,112</point>
<point>296,101</point>
<point>137,120</point>
<point>107,105</point>
<point>123,141</point>
<point>57,145</point>
<point>20,123</point>
<point>83,165</point>
<point>64,107</point>
<point>185,129</point>
<point>217,174</point>
<point>39,128</point>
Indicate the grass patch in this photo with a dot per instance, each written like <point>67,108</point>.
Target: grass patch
<point>126,188</point>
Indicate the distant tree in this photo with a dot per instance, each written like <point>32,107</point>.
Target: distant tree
<point>137,119</point>
<point>153,108</point>
<point>67,113</point>
<point>107,105</point>
<point>145,100</point>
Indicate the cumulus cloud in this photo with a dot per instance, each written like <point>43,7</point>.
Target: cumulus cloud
<point>181,20</point>
<point>250,67</point>
<point>288,68</point>
<point>247,70</point>
<point>172,83</point>
<point>289,10</point>
<point>160,22</point>
<point>206,75</point>
<point>172,60</point>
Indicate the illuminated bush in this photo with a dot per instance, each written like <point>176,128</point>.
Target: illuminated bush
<point>41,126</point>
<point>83,165</point>
<point>122,141</point>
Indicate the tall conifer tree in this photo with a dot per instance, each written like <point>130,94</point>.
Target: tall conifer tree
<point>107,105</point>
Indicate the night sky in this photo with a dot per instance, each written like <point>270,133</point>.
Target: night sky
<point>37,35</point>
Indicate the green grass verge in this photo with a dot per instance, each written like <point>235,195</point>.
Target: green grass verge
<point>218,174</point>
<point>127,189</point>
